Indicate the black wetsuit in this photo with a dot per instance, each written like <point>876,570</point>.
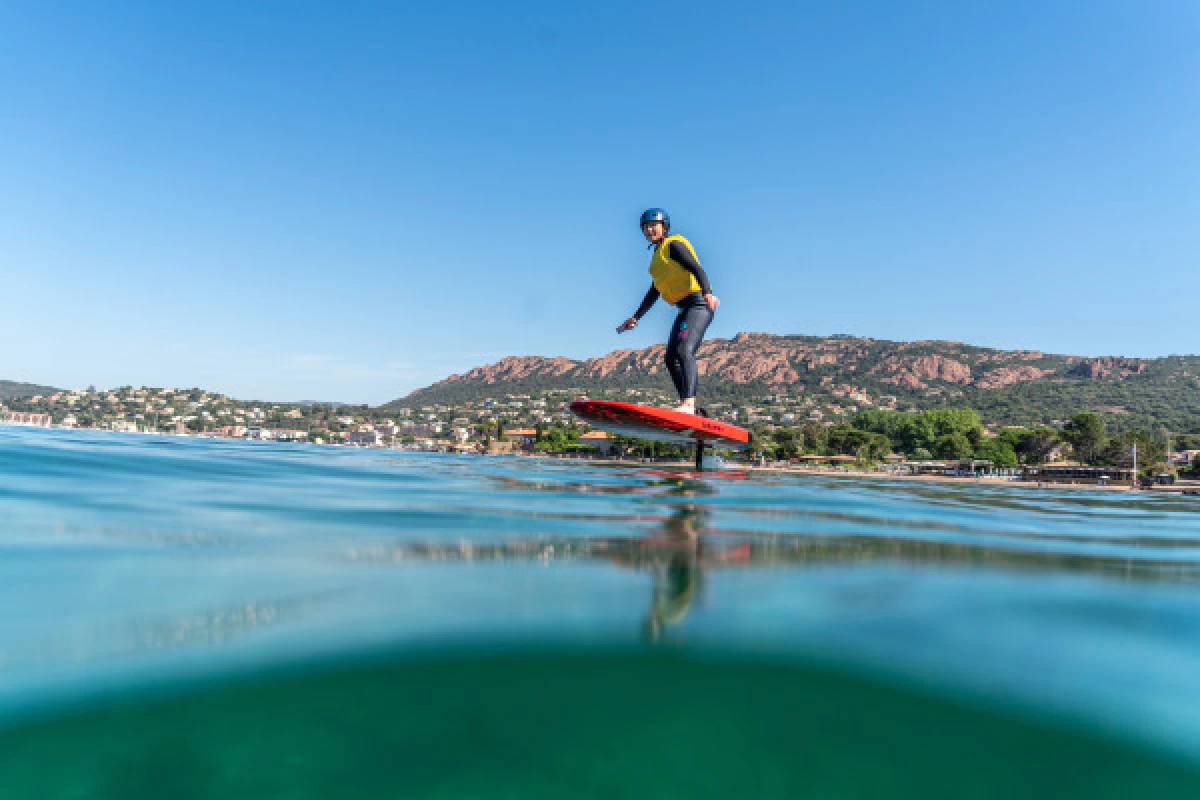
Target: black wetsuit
<point>690,324</point>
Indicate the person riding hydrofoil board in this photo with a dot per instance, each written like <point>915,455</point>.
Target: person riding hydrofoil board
<point>677,277</point>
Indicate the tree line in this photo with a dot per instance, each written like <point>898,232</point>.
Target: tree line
<point>959,433</point>
<point>944,433</point>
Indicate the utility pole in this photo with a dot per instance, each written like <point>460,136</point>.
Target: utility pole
<point>1135,475</point>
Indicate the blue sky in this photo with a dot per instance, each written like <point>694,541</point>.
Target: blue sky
<point>346,201</point>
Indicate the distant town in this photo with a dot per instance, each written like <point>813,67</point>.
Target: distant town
<point>472,426</point>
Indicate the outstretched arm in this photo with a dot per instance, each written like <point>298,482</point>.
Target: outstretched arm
<point>647,301</point>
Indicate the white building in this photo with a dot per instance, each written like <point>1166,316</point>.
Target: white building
<point>364,438</point>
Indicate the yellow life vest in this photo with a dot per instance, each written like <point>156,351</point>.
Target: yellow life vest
<point>670,278</point>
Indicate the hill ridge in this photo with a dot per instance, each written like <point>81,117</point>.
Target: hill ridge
<point>10,389</point>
<point>867,372</point>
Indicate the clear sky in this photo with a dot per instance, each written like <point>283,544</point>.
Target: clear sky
<point>346,201</point>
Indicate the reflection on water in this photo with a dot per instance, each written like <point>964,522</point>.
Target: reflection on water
<point>677,575</point>
<point>139,558</point>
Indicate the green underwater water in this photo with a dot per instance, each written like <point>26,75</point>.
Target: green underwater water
<point>216,619</point>
<point>533,723</point>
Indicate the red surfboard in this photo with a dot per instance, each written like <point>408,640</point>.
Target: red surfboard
<point>658,424</point>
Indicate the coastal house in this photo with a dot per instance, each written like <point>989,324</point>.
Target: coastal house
<point>25,418</point>
<point>525,437</point>
<point>419,431</point>
<point>601,441</point>
<point>969,467</point>
<point>364,438</point>
<point>960,468</point>
<point>1079,474</point>
<point>1057,453</point>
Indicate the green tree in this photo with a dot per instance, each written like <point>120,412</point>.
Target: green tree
<point>954,445</point>
<point>762,443</point>
<point>1151,451</point>
<point>921,431</point>
<point>554,440</point>
<point>1015,437</point>
<point>890,423</point>
<point>816,439</point>
<point>1037,448</point>
<point>997,450</point>
<point>788,443</point>
<point>955,420</point>
<point>1030,446</point>
<point>1086,435</point>
<point>878,447</point>
<point>846,440</point>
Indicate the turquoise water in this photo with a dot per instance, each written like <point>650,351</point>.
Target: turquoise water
<point>205,618</point>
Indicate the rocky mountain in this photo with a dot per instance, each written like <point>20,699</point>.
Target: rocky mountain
<point>15,389</point>
<point>1006,386</point>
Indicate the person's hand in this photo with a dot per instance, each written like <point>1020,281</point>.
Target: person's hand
<point>712,301</point>
<point>627,325</point>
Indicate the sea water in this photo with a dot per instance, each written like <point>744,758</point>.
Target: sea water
<point>204,618</point>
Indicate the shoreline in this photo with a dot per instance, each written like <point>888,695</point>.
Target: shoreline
<point>1191,488</point>
<point>1188,489</point>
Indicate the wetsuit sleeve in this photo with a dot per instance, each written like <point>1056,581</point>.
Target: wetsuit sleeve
<point>647,301</point>
<point>683,257</point>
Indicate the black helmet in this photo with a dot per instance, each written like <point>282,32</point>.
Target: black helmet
<point>656,215</point>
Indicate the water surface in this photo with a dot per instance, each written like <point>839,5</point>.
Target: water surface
<point>233,607</point>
